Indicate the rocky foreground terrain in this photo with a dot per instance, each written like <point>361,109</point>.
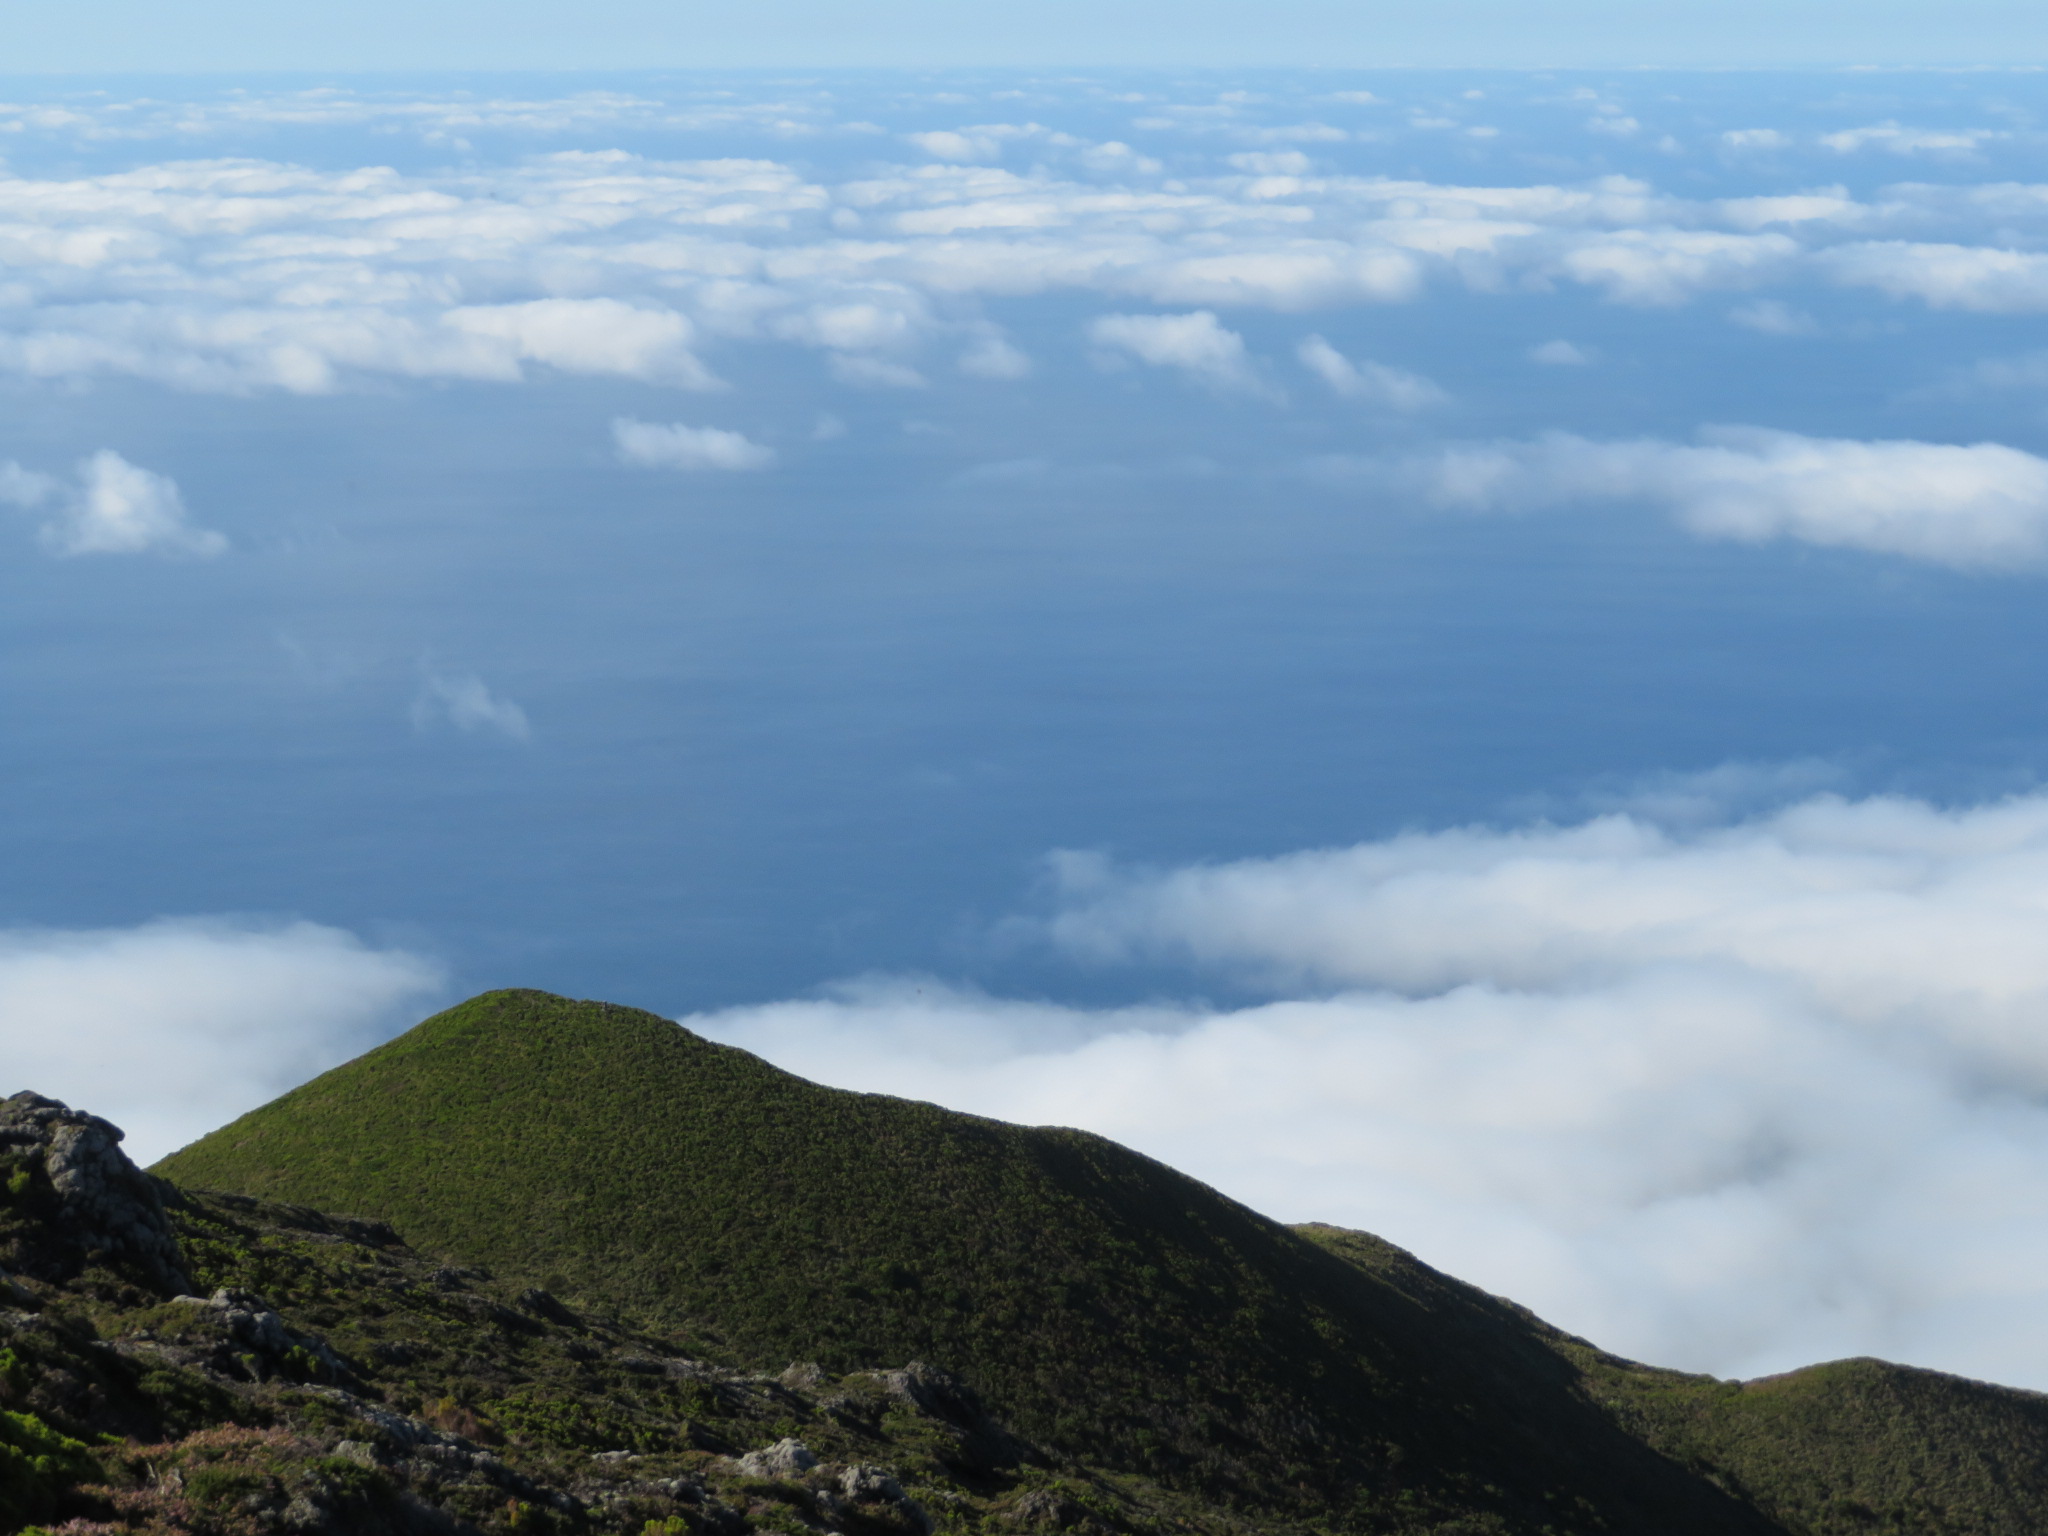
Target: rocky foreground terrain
<point>180,1362</point>
<point>599,1275</point>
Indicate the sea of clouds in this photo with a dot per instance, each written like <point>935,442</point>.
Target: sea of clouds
<point>1725,1089</point>
<point>882,254</point>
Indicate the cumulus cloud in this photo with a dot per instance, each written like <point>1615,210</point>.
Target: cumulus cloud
<point>173,1028</point>
<point>1560,354</point>
<point>462,699</point>
<point>1196,343</point>
<point>1730,1097</point>
<point>603,336</point>
<point>115,508</point>
<point>1976,506</point>
<point>676,446</point>
<point>1375,383</point>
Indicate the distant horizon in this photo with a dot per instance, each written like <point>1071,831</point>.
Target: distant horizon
<point>108,36</point>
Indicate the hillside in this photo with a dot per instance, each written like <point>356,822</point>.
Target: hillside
<point>252,1369</point>
<point>1197,1367</point>
<point>1116,1310</point>
<point>1842,1449</point>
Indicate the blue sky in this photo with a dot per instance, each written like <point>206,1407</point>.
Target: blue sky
<point>1454,651</point>
<point>98,36</point>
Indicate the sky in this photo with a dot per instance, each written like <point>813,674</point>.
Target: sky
<point>93,37</point>
<point>1459,652</point>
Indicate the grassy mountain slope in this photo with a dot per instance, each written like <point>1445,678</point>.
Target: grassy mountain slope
<point>1845,1449</point>
<point>349,1386</point>
<point>1113,1309</point>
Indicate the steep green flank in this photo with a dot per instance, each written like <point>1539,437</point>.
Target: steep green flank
<point>1113,1308</point>
<point>1858,1446</point>
<point>1855,1448</point>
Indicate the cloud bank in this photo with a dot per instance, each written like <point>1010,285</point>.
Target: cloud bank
<point>1730,1097</point>
<point>176,1027</point>
<point>243,274</point>
<point>1980,506</point>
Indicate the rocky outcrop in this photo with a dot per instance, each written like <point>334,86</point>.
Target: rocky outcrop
<point>981,1443</point>
<point>95,1205</point>
<point>785,1458</point>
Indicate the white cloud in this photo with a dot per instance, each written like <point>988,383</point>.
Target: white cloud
<point>1755,138</point>
<point>1376,383</point>
<point>1980,506</point>
<point>462,700</point>
<point>1988,279</point>
<point>947,144</point>
<point>679,447</point>
<point>1196,343</point>
<point>245,274</point>
<point>1285,162</point>
<point>1731,1098</point>
<point>1671,266</point>
<point>1560,354</point>
<point>117,508</point>
<point>603,336</point>
<point>173,1028</point>
<point>1770,317</point>
<point>1897,140</point>
<point>992,356</point>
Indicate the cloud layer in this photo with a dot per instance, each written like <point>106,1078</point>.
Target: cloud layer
<point>1981,505</point>
<point>238,274</point>
<point>176,1027</point>
<point>1730,1098</point>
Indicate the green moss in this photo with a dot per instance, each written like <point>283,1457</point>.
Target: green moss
<point>37,1466</point>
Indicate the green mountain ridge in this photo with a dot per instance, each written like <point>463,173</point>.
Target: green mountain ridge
<point>1157,1358</point>
<point>1113,1307</point>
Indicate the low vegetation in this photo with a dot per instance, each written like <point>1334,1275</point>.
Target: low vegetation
<point>617,1237</point>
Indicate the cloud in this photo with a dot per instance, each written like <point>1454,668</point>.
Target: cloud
<point>1982,506</point>
<point>1732,1098</point>
<point>992,356</point>
<point>1286,162</point>
<point>1769,317</point>
<point>463,701</point>
<point>1987,279</point>
<point>1196,343</point>
<point>1897,140</point>
<point>947,144</point>
<point>116,508</point>
<point>244,274</point>
<point>873,372</point>
<point>173,1028</point>
<point>1375,383</point>
<point>601,336</point>
<point>679,447</point>
<point>1560,354</point>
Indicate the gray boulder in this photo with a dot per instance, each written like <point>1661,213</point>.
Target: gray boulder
<point>785,1458</point>
<point>95,1204</point>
